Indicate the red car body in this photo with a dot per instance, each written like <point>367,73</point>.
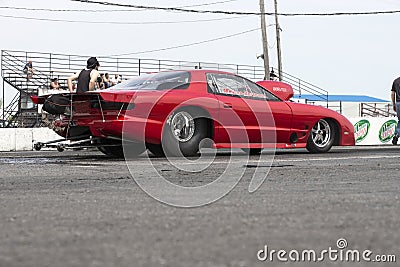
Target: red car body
<point>237,113</point>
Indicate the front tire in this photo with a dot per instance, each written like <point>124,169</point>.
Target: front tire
<point>321,137</point>
<point>183,133</point>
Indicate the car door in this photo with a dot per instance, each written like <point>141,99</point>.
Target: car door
<point>281,113</point>
<point>244,113</point>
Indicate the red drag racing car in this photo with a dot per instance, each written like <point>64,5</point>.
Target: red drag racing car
<point>176,112</point>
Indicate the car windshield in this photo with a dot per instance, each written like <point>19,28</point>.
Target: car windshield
<point>157,81</point>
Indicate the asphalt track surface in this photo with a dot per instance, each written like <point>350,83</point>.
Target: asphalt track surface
<point>79,208</point>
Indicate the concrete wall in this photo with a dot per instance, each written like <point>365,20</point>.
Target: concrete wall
<point>22,139</point>
<point>351,110</point>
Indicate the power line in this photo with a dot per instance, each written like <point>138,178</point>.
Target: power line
<point>237,12</point>
<point>69,10</point>
<point>186,45</point>
<point>181,9</point>
<point>209,4</point>
<point>101,10</point>
<point>117,22</point>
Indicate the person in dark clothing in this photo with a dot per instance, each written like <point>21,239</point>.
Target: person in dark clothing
<point>54,84</point>
<point>106,80</point>
<point>86,78</point>
<point>100,82</point>
<point>396,107</point>
<point>28,70</point>
<point>273,76</point>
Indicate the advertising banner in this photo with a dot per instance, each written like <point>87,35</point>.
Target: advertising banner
<point>374,130</point>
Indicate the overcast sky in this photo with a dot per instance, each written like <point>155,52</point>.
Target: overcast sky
<point>342,54</point>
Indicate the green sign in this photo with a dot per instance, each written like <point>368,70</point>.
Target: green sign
<point>387,131</point>
<point>361,130</point>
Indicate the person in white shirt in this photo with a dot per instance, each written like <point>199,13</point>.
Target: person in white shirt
<point>116,79</point>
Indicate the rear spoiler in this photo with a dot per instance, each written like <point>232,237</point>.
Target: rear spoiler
<point>42,98</point>
<point>126,97</point>
<point>282,90</point>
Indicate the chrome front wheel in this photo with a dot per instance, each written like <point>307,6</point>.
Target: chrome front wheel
<point>321,133</point>
<point>321,137</point>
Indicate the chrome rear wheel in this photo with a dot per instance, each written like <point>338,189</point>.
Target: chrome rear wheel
<point>183,132</point>
<point>182,126</point>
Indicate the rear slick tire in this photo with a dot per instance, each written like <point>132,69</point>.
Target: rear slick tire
<point>156,150</point>
<point>112,151</point>
<point>117,150</point>
<point>183,133</point>
<point>252,151</point>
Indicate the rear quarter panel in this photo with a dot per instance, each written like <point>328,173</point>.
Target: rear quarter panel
<point>146,121</point>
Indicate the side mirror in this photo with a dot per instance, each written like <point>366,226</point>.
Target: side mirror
<point>282,90</point>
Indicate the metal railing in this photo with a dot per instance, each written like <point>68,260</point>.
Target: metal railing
<point>300,86</point>
<point>50,65</point>
<point>10,112</point>
<point>377,110</point>
<point>61,66</point>
<point>334,105</point>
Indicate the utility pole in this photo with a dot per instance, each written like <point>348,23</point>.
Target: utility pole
<point>265,41</point>
<point>278,41</point>
<point>2,103</point>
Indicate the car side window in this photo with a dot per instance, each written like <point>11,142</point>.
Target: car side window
<point>157,81</point>
<point>232,85</point>
<point>259,89</point>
